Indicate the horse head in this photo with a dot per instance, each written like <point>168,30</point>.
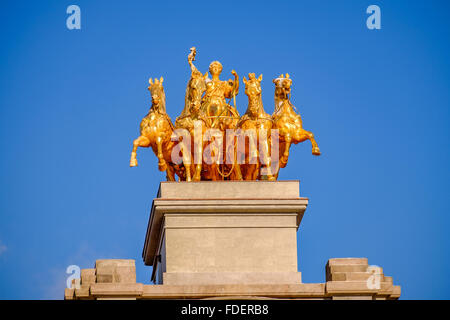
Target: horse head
<point>282,90</point>
<point>282,86</point>
<point>196,87</point>
<point>158,96</point>
<point>253,91</point>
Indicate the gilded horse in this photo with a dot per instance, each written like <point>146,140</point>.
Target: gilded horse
<point>156,130</point>
<point>252,124</point>
<point>288,122</point>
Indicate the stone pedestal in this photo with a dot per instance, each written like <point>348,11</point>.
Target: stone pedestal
<point>229,240</point>
<point>233,232</point>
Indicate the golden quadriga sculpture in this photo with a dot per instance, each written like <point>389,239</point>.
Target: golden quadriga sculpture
<point>210,140</point>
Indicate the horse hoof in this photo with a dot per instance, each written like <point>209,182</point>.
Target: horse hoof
<point>133,163</point>
<point>162,166</point>
<point>316,151</point>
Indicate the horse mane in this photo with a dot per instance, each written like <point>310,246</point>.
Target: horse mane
<point>185,111</point>
<point>194,75</point>
<point>279,103</point>
<point>260,106</point>
<point>163,100</point>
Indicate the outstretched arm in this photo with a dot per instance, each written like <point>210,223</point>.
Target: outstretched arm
<point>233,86</point>
<point>191,57</point>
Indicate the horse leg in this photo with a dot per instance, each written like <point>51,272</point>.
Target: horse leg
<point>186,159</point>
<point>285,156</point>
<point>269,170</point>
<point>248,168</point>
<point>162,165</point>
<point>198,150</point>
<point>187,164</point>
<point>306,135</point>
<point>256,166</point>
<point>256,171</point>
<point>198,172</point>
<point>237,167</point>
<point>142,141</point>
<point>248,174</point>
<point>188,172</point>
<point>170,173</point>
<point>215,172</point>
<point>276,175</point>
<point>237,172</point>
<point>265,171</point>
<point>265,161</point>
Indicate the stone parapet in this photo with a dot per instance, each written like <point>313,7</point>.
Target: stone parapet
<point>353,278</point>
<point>109,272</point>
<point>350,286</point>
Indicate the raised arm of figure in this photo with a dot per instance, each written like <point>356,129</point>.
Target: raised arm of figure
<point>232,88</point>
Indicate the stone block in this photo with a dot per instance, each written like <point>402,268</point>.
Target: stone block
<point>232,278</point>
<point>115,271</point>
<point>69,294</point>
<point>235,291</point>
<point>117,289</point>
<point>347,268</point>
<point>125,274</point>
<point>350,276</point>
<point>76,283</point>
<point>338,276</point>
<point>82,292</point>
<point>230,243</point>
<point>105,278</point>
<point>355,297</point>
<point>229,190</point>
<point>396,292</point>
<point>350,268</point>
<point>87,276</point>
<point>349,288</point>
<point>347,261</point>
<point>388,279</point>
<point>114,262</point>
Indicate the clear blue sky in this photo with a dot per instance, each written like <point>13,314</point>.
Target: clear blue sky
<point>71,103</point>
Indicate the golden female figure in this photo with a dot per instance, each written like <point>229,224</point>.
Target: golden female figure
<point>220,115</point>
